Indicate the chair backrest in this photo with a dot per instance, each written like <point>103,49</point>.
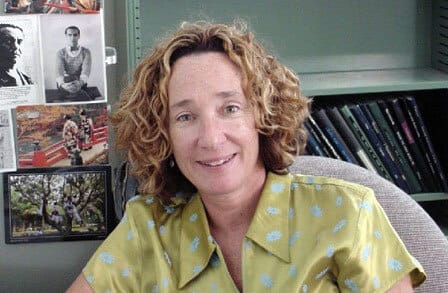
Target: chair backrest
<point>421,235</point>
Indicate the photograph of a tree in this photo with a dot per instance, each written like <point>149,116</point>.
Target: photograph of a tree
<point>57,204</point>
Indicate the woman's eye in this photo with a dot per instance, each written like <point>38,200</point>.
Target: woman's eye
<point>184,118</point>
<point>232,109</point>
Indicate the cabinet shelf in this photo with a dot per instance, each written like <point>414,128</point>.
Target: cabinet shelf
<point>420,197</point>
<point>372,81</point>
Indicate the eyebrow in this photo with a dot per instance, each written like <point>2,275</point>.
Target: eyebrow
<point>222,94</point>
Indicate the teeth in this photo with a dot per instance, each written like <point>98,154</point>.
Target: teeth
<point>216,163</point>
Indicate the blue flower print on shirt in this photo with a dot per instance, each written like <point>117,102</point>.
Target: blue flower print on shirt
<point>305,288</point>
<point>316,211</point>
<point>169,210</point>
<point>339,225</point>
<point>107,258</point>
<point>247,244</point>
<point>165,282</point>
<point>272,211</point>
<point>318,187</point>
<point>197,269</point>
<point>377,234</point>
<point>267,281</point>
<point>339,201</point>
<point>151,224</point>
<point>291,213</point>
<point>277,187</point>
<point>126,272</point>
<point>394,264</point>
<point>273,236</point>
<point>351,285</point>
<point>162,229</point>
<point>90,279</point>
<point>330,251</point>
<point>376,282</point>
<point>155,289</point>
<point>294,186</point>
<point>309,179</point>
<point>366,205</point>
<point>292,270</point>
<point>214,288</point>
<point>210,239</point>
<point>194,244</point>
<point>149,200</point>
<point>293,238</point>
<point>193,217</point>
<point>130,235</point>
<point>365,253</point>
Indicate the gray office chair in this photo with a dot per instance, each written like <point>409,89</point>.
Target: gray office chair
<point>421,235</point>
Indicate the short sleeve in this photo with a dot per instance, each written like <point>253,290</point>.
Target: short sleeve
<point>116,264</point>
<point>379,258</point>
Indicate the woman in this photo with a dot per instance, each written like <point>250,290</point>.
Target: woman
<point>210,123</point>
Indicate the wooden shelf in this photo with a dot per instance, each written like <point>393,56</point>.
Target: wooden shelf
<point>371,81</point>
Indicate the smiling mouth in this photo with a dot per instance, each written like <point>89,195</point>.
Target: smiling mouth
<point>217,163</point>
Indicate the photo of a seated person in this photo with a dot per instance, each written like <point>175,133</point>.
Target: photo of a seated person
<point>11,40</point>
<point>73,65</point>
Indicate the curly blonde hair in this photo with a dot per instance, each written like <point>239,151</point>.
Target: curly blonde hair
<point>140,119</point>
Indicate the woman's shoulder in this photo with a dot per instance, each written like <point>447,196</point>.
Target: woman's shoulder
<point>155,205</point>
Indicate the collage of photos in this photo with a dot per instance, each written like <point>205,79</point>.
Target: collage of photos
<point>54,136</point>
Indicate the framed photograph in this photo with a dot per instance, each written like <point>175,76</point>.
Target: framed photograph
<point>62,135</point>
<point>7,148</point>
<point>73,52</point>
<point>52,6</point>
<point>58,204</point>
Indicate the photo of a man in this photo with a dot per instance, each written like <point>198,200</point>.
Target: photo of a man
<point>73,65</point>
<point>11,41</point>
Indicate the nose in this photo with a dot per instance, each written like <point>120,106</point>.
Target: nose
<point>211,133</point>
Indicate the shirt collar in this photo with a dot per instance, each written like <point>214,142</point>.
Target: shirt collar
<point>196,242</point>
<point>270,226</point>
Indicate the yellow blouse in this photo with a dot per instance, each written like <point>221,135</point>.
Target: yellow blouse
<point>309,234</point>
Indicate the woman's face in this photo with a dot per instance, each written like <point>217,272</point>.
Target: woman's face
<point>211,124</point>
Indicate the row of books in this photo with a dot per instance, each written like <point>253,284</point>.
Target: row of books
<point>387,136</point>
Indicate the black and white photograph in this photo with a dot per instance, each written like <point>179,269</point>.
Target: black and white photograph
<point>57,204</point>
<point>73,58</point>
<point>7,149</point>
<point>19,61</point>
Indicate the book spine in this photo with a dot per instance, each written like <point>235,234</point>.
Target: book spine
<point>413,146</point>
<point>426,140</point>
<point>333,135</point>
<point>318,139</point>
<point>333,153</point>
<point>381,121</point>
<point>388,114</point>
<point>364,141</point>
<point>375,141</point>
<point>313,145</point>
<point>349,138</point>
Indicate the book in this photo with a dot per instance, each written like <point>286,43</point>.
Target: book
<point>327,144</point>
<point>364,141</point>
<point>334,137</point>
<point>319,141</point>
<point>413,146</point>
<point>376,142</point>
<point>396,148</point>
<point>423,135</point>
<point>313,146</point>
<point>349,138</point>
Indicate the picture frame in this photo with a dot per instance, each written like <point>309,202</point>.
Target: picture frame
<point>58,204</point>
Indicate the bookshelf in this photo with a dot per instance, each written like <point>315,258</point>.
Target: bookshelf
<point>336,47</point>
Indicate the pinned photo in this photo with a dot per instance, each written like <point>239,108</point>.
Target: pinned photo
<point>7,149</point>
<point>58,204</point>
<point>62,135</point>
<point>52,6</point>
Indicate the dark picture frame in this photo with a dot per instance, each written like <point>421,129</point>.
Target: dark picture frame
<point>58,204</point>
